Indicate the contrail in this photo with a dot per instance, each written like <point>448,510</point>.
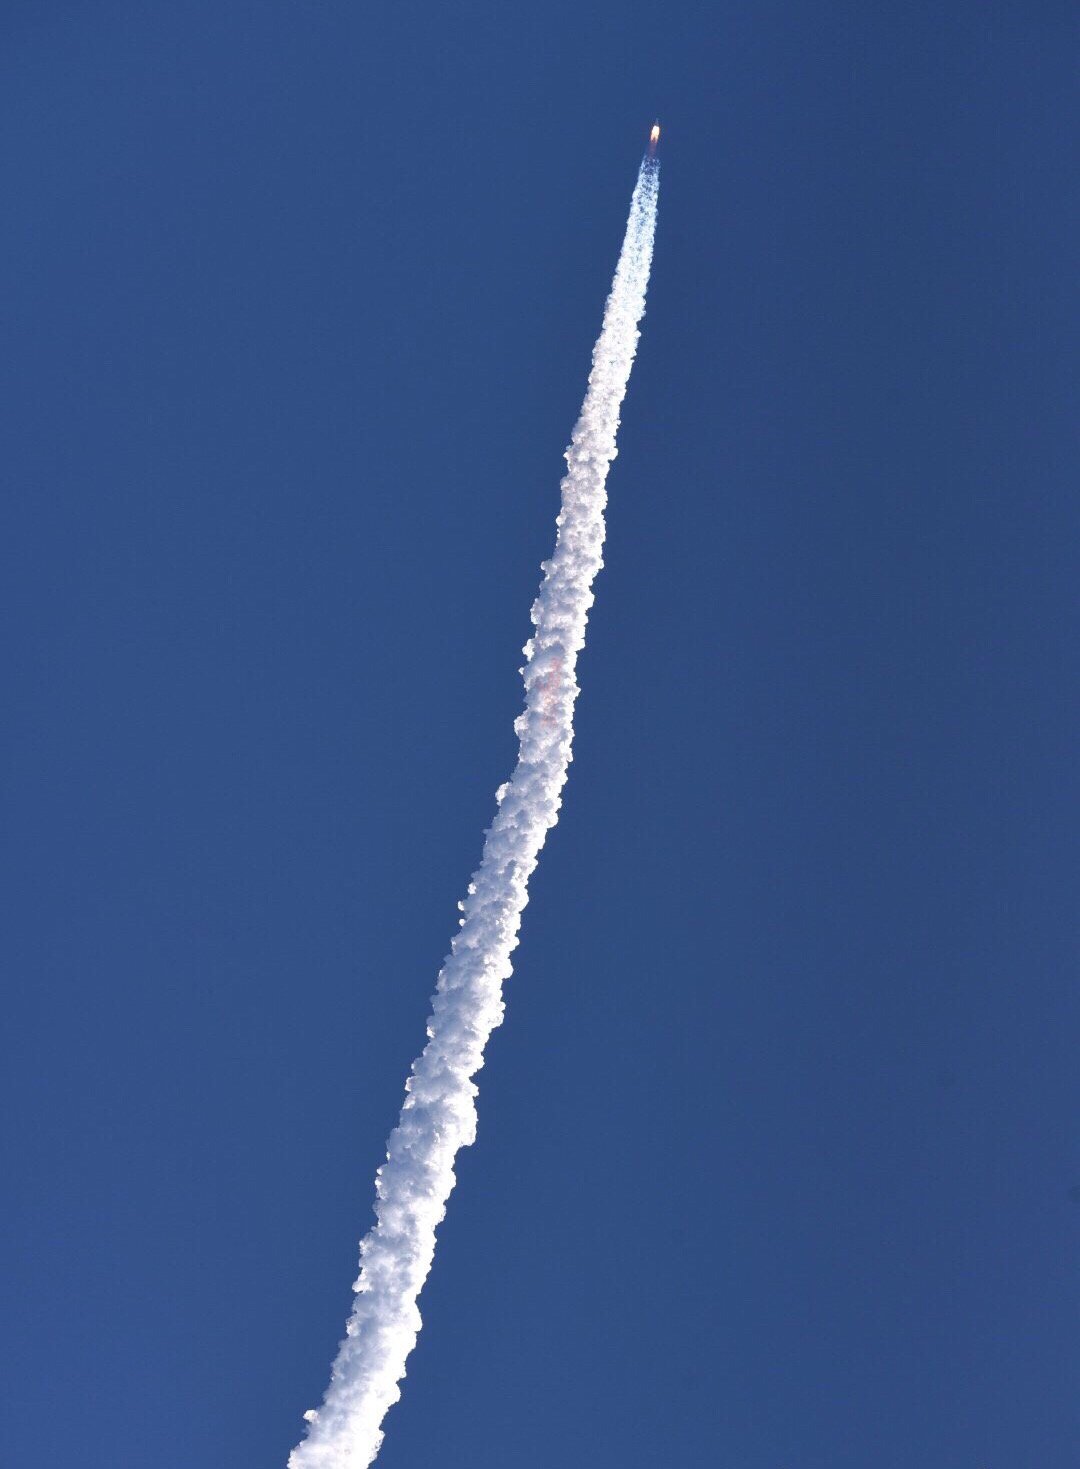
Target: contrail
<point>439,1114</point>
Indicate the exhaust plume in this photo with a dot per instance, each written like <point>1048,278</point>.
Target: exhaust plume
<point>439,1113</point>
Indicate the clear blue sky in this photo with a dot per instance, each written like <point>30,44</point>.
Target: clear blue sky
<point>778,1163</point>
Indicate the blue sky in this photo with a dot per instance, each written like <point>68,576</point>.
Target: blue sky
<point>778,1158</point>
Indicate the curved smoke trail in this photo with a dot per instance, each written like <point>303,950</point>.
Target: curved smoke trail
<point>439,1114</point>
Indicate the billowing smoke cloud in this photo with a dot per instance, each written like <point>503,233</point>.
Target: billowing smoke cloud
<point>439,1114</point>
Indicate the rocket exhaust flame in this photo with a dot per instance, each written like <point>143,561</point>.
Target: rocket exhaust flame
<point>439,1113</point>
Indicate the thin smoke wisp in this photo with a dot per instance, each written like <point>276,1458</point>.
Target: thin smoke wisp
<point>439,1112</point>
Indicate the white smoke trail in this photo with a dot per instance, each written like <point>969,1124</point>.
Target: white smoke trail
<point>439,1114</point>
